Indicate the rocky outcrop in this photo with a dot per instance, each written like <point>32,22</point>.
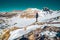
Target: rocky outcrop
<point>8,15</point>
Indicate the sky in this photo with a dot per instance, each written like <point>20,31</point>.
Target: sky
<point>9,5</point>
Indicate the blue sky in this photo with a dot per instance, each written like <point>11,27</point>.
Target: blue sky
<point>8,5</point>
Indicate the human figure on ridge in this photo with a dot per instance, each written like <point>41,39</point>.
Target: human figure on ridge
<point>36,17</point>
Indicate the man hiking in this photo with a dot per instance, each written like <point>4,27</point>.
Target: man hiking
<point>36,17</point>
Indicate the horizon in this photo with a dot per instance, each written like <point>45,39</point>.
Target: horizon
<point>25,9</point>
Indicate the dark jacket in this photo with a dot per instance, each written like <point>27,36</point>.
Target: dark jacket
<point>36,15</point>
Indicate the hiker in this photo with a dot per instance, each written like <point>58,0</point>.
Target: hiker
<point>36,17</point>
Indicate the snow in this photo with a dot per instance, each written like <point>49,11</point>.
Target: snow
<point>19,32</point>
<point>48,33</point>
<point>21,22</point>
<point>56,25</point>
<point>16,34</point>
<point>48,17</point>
<point>24,22</point>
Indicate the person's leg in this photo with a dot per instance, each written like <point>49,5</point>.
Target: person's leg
<point>36,19</point>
